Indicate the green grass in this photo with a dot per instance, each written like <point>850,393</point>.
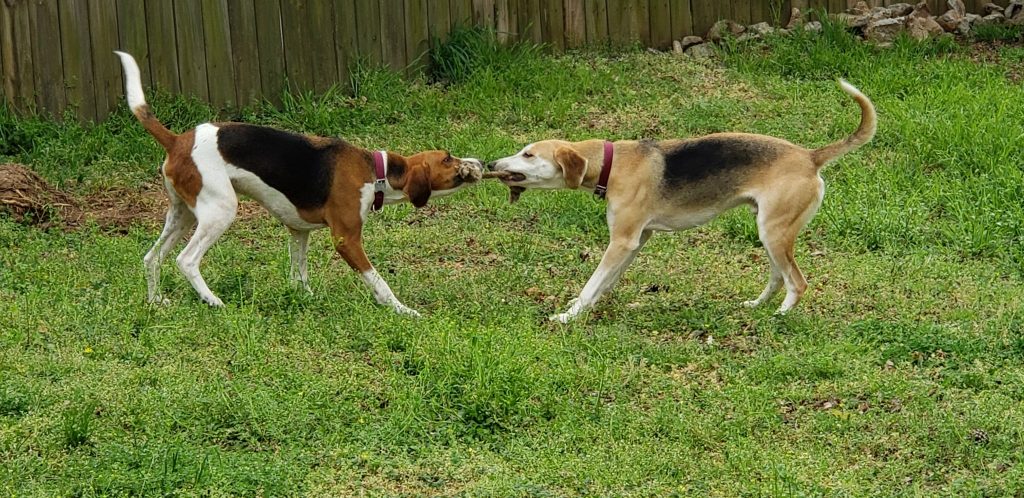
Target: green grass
<point>900,373</point>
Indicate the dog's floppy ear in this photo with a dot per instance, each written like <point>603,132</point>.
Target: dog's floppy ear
<point>573,166</point>
<point>417,185</point>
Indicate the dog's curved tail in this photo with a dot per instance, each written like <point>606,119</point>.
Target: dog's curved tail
<point>863,135</point>
<point>137,103</point>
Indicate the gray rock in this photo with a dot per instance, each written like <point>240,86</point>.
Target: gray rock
<point>950,20</point>
<point>958,6</point>
<point>855,21</point>
<point>885,30</point>
<point>723,28</point>
<point>1013,10</point>
<point>990,8</point>
<point>813,27</point>
<point>921,10</point>
<point>690,41</point>
<point>991,20</point>
<point>898,10</point>
<point>703,51</point>
<point>861,8</point>
<point>796,18</point>
<point>922,28</point>
<point>760,29</point>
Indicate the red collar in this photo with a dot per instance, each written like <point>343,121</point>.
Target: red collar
<point>378,186</point>
<point>606,170</point>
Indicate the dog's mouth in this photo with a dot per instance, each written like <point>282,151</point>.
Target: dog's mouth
<point>506,177</point>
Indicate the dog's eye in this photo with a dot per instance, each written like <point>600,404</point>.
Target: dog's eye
<point>527,155</point>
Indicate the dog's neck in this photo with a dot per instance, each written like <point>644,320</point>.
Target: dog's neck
<point>593,152</point>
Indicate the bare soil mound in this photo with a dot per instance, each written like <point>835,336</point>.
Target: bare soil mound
<point>30,199</point>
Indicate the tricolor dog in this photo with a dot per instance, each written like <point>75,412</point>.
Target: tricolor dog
<point>306,182</point>
<point>678,184</point>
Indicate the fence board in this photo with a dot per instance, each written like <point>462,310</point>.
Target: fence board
<point>661,24</point>
<point>596,17</point>
<point>75,42</point>
<point>704,15</point>
<point>439,19</point>
<point>368,23</point>
<point>345,43</point>
<point>682,19</point>
<point>270,46</point>
<point>392,27</point>
<point>7,67</point>
<point>24,81</point>
<point>575,24</point>
<point>483,12</point>
<point>552,21</point>
<point>534,30</point>
<point>245,51</point>
<point>106,69</point>
<point>319,37</point>
<point>49,70</point>
<point>131,31</point>
<point>462,12</point>
<point>299,66</point>
<point>188,21</point>
<point>505,20</point>
<point>417,35</point>
<point>220,61</point>
<point>163,45</point>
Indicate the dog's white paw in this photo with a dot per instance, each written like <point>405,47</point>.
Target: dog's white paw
<point>214,301</point>
<point>750,304</point>
<point>562,318</point>
<point>402,309</point>
<point>159,301</point>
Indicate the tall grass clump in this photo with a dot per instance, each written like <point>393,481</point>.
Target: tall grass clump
<point>468,51</point>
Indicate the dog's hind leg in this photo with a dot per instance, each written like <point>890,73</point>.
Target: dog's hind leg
<point>179,220</point>
<point>214,218</point>
<point>298,247</point>
<point>620,253</point>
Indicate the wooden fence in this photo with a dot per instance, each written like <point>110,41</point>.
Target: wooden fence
<point>56,54</point>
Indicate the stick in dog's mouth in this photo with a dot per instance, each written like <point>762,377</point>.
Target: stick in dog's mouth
<point>514,191</point>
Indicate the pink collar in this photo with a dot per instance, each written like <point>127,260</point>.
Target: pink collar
<point>378,186</point>
<point>606,170</point>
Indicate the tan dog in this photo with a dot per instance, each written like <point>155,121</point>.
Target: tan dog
<point>306,182</point>
<point>678,184</point>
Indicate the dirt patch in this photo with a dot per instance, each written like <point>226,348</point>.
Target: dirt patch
<point>30,200</point>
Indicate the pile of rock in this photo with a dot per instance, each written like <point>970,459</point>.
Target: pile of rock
<point>879,25</point>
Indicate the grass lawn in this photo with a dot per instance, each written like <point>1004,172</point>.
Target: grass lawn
<point>901,372</point>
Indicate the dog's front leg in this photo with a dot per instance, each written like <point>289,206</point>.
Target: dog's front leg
<point>618,256</point>
<point>349,244</point>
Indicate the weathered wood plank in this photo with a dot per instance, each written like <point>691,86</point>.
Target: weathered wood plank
<point>298,56</point>
<point>682,19</point>
<point>534,29</point>
<point>103,25</point>
<point>461,12</point>
<point>163,45</point>
<point>392,28</point>
<point>346,46</point>
<point>76,51</point>
<point>661,24</point>
<point>739,11</point>
<point>506,21</point>
<point>705,13</point>
<point>319,37</point>
<point>368,24</point>
<point>131,31</point>
<point>270,45</point>
<point>188,20</point>
<point>220,63</point>
<point>553,24</point>
<point>417,35</point>
<point>596,17</point>
<point>24,28</point>
<point>483,13</point>
<point>439,21</point>
<point>8,75</point>
<point>575,24</point>
<point>245,53</point>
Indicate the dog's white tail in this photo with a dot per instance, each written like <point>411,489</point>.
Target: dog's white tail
<point>137,102</point>
<point>863,135</point>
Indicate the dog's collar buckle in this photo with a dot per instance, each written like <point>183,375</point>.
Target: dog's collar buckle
<point>606,169</point>
<point>379,184</point>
